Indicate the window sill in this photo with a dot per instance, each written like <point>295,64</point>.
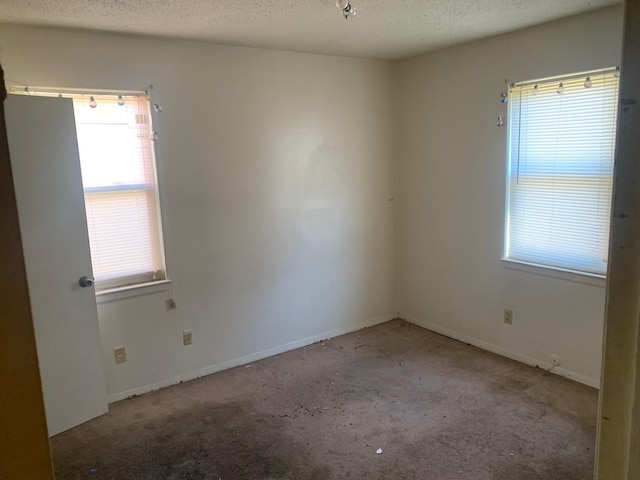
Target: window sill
<point>593,279</point>
<point>113,294</point>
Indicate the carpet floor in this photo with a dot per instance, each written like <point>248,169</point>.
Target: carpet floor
<point>390,402</point>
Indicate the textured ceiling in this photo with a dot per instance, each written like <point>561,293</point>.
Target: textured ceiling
<point>390,29</point>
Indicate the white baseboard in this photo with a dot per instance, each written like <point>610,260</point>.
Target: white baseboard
<point>252,357</point>
<point>490,347</point>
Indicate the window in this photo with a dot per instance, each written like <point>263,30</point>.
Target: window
<point>560,171</point>
<point>120,189</point>
<point>115,140</point>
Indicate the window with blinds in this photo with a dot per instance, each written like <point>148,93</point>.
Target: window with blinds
<point>115,141</point>
<point>561,138</point>
<point>120,189</point>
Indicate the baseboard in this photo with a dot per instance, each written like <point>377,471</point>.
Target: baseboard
<point>218,367</point>
<point>490,347</point>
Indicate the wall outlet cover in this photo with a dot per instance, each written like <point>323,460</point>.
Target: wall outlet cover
<point>170,303</point>
<point>187,337</point>
<point>120,355</point>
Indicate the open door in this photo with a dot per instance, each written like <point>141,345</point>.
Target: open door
<point>46,170</point>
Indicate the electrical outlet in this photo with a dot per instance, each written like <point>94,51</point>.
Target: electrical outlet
<point>120,355</point>
<point>508,316</point>
<point>555,360</point>
<point>170,303</point>
<point>187,337</point>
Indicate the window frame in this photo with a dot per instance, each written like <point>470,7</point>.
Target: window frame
<point>124,285</point>
<point>530,265</point>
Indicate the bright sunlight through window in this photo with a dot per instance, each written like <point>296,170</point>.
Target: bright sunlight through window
<point>562,135</point>
<point>120,189</point>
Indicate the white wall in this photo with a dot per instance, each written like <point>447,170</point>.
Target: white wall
<point>277,178</point>
<point>452,184</point>
<point>278,173</point>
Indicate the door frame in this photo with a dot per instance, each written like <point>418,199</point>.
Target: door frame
<point>618,434</point>
<point>24,441</point>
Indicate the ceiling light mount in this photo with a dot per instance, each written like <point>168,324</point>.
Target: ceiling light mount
<point>347,9</point>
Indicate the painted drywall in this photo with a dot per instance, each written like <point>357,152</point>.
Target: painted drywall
<point>277,185</point>
<point>452,184</point>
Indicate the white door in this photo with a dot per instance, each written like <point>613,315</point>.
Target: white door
<point>46,171</point>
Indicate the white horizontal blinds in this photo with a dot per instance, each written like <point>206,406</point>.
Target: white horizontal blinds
<point>560,171</point>
<point>121,196</point>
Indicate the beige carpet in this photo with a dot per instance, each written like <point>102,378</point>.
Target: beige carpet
<point>438,409</point>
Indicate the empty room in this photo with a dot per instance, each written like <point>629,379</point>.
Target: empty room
<point>318,240</point>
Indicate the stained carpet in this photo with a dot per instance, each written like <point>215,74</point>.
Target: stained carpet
<point>435,408</point>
